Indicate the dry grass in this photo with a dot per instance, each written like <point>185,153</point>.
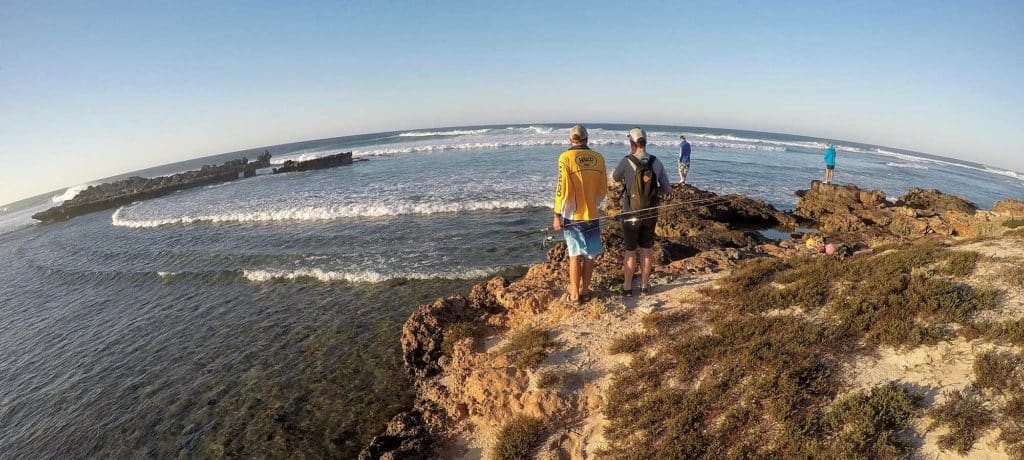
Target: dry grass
<point>519,439</point>
<point>1014,223</point>
<point>454,333</point>
<point>527,347</point>
<point>1014,276</point>
<point>965,416</point>
<point>551,378</point>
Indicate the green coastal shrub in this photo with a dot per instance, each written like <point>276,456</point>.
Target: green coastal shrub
<point>961,263</point>
<point>519,439</point>
<point>868,424</point>
<point>998,370</point>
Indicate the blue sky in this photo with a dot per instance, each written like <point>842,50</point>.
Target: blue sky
<point>92,89</point>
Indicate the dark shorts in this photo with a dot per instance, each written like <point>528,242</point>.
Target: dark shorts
<point>638,233</point>
<point>830,167</point>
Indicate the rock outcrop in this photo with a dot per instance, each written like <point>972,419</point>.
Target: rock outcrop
<point>934,201</point>
<point>330,161</point>
<point>127,191</point>
<point>1009,208</point>
<point>853,213</point>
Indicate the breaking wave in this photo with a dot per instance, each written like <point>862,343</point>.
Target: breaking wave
<point>365,276</point>
<point>906,165</point>
<point>397,150</point>
<point>68,194</point>
<point>322,213</point>
<point>454,132</point>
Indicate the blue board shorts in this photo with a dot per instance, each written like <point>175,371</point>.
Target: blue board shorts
<point>583,237</point>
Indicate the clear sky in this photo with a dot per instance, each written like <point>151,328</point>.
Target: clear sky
<point>92,89</point>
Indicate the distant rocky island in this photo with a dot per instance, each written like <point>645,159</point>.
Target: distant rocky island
<point>127,191</point>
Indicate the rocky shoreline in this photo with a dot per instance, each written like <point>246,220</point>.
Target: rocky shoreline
<point>468,388</point>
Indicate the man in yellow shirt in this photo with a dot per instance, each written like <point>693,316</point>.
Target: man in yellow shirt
<point>582,185</point>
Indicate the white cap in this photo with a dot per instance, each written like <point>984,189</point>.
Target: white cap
<point>636,134</point>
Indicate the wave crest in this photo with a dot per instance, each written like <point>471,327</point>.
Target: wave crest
<point>316,213</point>
<point>365,276</point>
<point>69,194</point>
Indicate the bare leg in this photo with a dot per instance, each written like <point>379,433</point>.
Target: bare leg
<point>646,256</point>
<point>588,274</point>
<point>574,277</point>
<point>628,269</point>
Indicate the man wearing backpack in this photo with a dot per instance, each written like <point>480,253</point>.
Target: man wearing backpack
<point>582,185</point>
<point>644,178</point>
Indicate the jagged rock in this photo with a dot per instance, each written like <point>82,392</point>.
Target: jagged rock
<point>935,202</point>
<point>406,438</point>
<point>865,214</point>
<point>330,161</point>
<point>423,332</point>
<point>1009,208</point>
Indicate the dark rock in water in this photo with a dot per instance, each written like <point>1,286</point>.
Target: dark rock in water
<point>127,191</point>
<point>406,437</point>
<point>935,201</point>
<point>329,161</point>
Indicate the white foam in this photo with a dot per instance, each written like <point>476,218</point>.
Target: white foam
<point>322,213</point>
<point>916,159</point>
<point>911,165</point>
<point>397,150</point>
<point>454,132</point>
<point>365,276</point>
<point>167,274</point>
<point>68,194</point>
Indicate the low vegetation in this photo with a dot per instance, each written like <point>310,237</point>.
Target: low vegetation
<point>551,378</point>
<point>1014,223</point>
<point>997,370</point>
<point>868,424</point>
<point>455,333</point>
<point>527,347</point>
<point>966,418</point>
<point>519,439</point>
<point>1014,276</point>
<point>754,371</point>
<point>961,263</point>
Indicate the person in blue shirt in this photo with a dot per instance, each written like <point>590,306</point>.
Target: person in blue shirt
<point>830,164</point>
<point>684,159</point>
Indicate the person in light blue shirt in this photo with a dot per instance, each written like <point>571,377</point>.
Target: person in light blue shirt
<point>830,163</point>
<point>684,159</point>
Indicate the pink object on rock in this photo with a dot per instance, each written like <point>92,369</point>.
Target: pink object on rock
<point>830,249</point>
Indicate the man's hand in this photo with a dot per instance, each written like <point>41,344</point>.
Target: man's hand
<point>556,222</point>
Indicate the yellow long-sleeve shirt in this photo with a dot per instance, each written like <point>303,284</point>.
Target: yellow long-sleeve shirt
<point>582,184</point>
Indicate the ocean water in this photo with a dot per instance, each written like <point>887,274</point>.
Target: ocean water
<point>263,315</point>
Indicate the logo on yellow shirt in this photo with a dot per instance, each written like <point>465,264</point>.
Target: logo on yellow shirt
<point>586,161</point>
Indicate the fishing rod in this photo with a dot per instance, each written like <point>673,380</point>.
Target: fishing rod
<point>691,205</point>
